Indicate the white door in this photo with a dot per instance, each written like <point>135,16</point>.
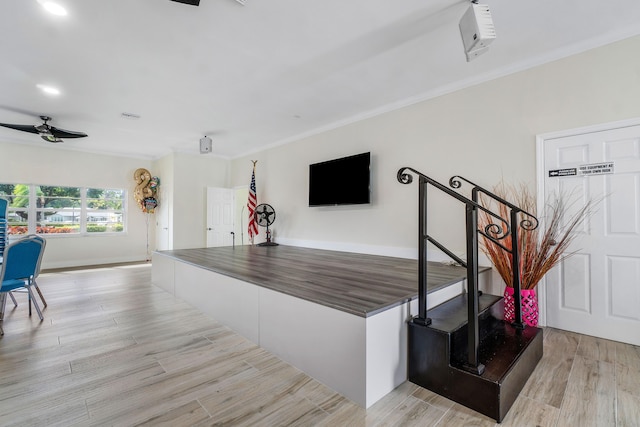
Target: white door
<point>163,241</point>
<point>597,290</point>
<point>220,214</point>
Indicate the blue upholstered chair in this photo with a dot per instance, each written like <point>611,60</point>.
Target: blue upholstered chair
<point>37,273</point>
<point>3,236</point>
<point>34,283</point>
<point>4,231</point>
<point>19,267</point>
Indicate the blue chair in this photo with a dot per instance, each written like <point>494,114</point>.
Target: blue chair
<point>35,276</point>
<point>3,236</point>
<point>4,230</point>
<point>37,273</point>
<point>19,267</point>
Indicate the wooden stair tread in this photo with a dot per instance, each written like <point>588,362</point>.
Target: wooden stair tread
<point>452,315</point>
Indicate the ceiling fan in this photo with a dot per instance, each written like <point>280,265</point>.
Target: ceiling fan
<point>46,131</point>
<point>197,2</point>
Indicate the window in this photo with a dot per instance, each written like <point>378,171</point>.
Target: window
<point>58,210</point>
<point>104,210</point>
<point>63,210</point>
<point>18,207</point>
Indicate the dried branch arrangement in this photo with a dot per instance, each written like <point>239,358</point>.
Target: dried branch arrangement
<point>540,249</point>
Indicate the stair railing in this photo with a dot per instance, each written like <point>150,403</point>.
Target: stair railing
<point>500,229</point>
<point>528,222</point>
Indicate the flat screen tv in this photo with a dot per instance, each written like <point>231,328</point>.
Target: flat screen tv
<point>343,181</point>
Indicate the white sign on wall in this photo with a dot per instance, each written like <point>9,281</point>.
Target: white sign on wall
<point>563,172</point>
<point>595,168</point>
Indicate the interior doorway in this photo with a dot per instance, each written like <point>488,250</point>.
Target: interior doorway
<point>220,216</point>
<point>596,291</point>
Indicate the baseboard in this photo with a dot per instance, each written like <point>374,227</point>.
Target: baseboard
<point>91,263</point>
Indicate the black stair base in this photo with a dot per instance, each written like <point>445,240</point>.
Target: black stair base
<point>509,355</point>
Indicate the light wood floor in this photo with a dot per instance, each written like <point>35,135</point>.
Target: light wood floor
<point>114,350</point>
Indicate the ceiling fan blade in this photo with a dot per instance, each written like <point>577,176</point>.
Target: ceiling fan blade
<point>19,111</point>
<point>61,133</point>
<point>24,128</point>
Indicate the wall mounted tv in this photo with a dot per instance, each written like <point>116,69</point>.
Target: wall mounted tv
<point>343,181</point>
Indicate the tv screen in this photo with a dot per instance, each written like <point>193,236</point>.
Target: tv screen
<point>343,181</point>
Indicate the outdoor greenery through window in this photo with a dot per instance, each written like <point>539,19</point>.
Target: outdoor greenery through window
<point>63,210</point>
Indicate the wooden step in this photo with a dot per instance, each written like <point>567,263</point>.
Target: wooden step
<point>437,353</point>
<point>451,315</point>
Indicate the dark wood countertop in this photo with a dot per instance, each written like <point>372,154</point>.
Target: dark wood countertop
<point>358,284</point>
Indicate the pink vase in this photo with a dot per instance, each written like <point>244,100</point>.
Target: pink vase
<point>529,306</point>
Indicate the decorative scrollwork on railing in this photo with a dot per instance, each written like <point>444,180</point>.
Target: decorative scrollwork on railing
<point>404,177</point>
<point>529,222</point>
<point>455,182</point>
<point>496,234</point>
<point>496,231</point>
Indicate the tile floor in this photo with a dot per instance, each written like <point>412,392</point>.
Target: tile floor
<point>115,350</point>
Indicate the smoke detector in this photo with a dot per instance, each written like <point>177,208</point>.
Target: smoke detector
<point>206,144</point>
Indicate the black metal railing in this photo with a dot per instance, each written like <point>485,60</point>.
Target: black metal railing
<point>499,230</point>
<point>528,222</point>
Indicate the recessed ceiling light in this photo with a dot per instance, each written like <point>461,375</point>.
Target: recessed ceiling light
<point>49,90</point>
<point>54,8</point>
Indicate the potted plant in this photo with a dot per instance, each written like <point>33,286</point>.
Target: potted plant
<point>540,248</point>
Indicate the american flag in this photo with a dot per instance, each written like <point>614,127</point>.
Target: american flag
<point>251,205</point>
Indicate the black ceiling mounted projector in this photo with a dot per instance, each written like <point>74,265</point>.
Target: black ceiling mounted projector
<point>191,2</point>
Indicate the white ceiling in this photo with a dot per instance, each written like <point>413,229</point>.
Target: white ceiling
<point>264,73</point>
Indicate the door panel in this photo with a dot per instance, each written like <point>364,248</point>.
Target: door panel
<point>597,290</point>
<point>622,217</point>
<point>576,283</point>
<point>220,216</point>
<point>577,192</point>
<point>623,296</point>
<point>573,154</point>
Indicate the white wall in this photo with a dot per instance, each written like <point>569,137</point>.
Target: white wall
<point>49,165</point>
<point>191,175</point>
<point>183,182</point>
<point>486,133</point>
<point>241,220</point>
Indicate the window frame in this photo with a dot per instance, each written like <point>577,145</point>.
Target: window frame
<point>32,212</point>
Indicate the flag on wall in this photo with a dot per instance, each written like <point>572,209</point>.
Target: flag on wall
<point>251,204</point>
